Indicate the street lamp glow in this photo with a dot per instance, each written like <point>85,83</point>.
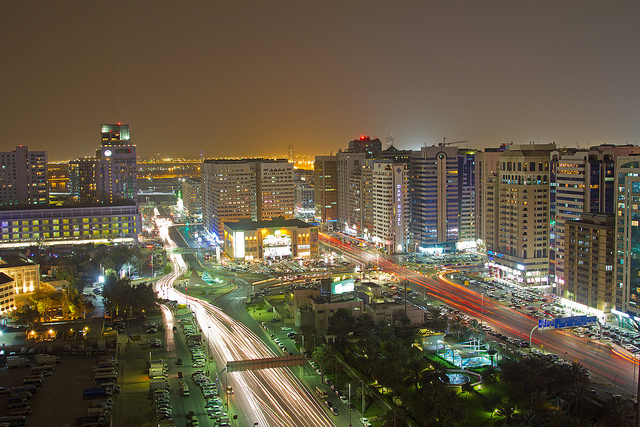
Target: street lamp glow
<point>100,279</point>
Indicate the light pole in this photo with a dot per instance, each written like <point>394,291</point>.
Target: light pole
<point>615,382</point>
<point>349,406</point>
<point>482,311</point>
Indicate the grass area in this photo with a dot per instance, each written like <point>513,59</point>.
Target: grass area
<point>476,404</point>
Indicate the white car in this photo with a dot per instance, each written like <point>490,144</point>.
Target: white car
<point>365,422</point>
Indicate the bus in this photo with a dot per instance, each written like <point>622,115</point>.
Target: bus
<point>42,369</point>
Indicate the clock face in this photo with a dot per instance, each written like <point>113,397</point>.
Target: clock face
<point>107,153</point>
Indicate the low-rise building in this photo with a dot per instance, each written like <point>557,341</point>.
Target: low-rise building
<point>24,272</point>
<point>7,294</point>
<point>392,312</point>
<point>278,238</point>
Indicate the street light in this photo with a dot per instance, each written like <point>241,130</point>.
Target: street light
<point>615,382</point>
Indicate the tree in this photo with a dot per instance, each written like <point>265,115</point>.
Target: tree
<point>457,326</point>
<point>341,323</point>
<point>506,414</point>
<point>474,332</point>
<point>618,412</point>
<point>435,319</point>
<point>323,354</point>
<point>26,315</point>
<point>394,417</point>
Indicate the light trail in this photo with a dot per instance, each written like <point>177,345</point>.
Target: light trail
<point>271,397</point>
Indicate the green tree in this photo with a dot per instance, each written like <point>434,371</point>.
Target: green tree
<point>435,319</point>
<point>341,324</point>
<point>618,412</point>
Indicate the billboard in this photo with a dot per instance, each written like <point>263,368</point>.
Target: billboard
<point>342,286</point>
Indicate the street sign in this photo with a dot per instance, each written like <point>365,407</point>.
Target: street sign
<point>567,322</point>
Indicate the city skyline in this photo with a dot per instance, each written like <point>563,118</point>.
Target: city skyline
<point>234,78</point>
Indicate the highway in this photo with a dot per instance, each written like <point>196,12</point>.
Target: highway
<point>609,363</point>
<point>269,397</point>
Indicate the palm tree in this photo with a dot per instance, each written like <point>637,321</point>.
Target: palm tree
<point>394,418</point>
<point>324,355</point>
<point>506,414</point>
<point>579,401</point>
<point>435,319</point>
<point>618,412</point>
<point>474,332</point>
<point>457,326</point>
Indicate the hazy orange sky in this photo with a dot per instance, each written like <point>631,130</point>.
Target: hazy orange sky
<point>240,78</point>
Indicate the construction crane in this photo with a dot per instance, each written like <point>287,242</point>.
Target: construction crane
<point>445,143</point>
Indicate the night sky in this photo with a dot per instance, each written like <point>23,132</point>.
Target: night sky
<point>245,78</point>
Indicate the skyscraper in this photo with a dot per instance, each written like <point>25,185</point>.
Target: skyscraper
<point>434,197</point>
<point>116,174</point>
<point>627,267</point>
<point>518,238</point>
<point>390,194</point>
<point>325,184</point>
<point>111,176</point>
<point>246,189</point>
<point>23,177</point>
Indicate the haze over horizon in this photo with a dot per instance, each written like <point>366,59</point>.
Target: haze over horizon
<point>251,77</point>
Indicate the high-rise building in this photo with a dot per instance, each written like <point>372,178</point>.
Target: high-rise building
<point>627,263</point>
<point>111,176</point>
<point>582,181</point>
<point>23,177</point>
<point>348,164</point>
<point>467,198</point>
<point>390,194</point>
<point>486,169</point>
<point>192,195</point>
<point>116,174</point>
<point>518,238</point>
<point>246,189</point>
<point>434,197</point>
<point>325,184</point>
<point>589,248</point>
<point>82,180</point>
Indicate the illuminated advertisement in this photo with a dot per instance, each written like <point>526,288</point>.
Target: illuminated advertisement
<point>342,286</point>
<point>277,244</point>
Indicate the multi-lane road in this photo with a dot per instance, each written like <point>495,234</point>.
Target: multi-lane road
<point>268,397</point>
<point>611,364</point>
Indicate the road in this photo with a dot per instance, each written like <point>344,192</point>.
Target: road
<point>269,397</point>
<point>613,364</point>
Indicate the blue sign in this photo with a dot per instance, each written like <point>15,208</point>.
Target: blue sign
<point>567,322</point>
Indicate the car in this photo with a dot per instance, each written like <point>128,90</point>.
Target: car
<point>179,361</point>
<point>344,399</point>
<point>334,411</point>
<point>180,374</point>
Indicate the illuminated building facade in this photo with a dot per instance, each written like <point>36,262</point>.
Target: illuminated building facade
<point>116,173</point>
<point>68,225</point>
<point>24,272</point>
<point>390,194</point>
<point>434,198</point>
<point>627,268</point>
<point>245,189</point>
<point>278,238</point>
<point>192,195</point>
<point>7,294</point>
<point>589,248</point>
<point>325,184</point>
<point>518,240</point>
<point>23,178</point>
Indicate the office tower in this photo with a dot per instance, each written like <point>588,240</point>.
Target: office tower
<point>82,180</point>
<point>245,189</point>
<point>466,199</point>
<point>627,267</point>
<point>325,184</point>
<point>111,176</point>
<point>434,197</point>
<point>192,195</point>
<point>518,238</point>
<point>305,206</point>
<point>274,184</point>
<point>23,177</point>
<point>486,164</point>
<point>348,164</point>
<point>116,168</point>
<point>364,144</point>
<point>390,194</point>
<point>589,260</point>
<point>581,181</point>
